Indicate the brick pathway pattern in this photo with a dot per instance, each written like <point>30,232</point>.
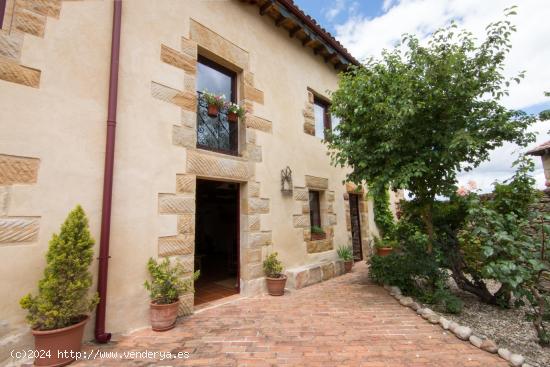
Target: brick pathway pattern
<point>346,321</point>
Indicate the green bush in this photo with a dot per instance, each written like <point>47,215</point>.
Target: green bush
<point>383,217</point>
<point>63,298</point>
<point>453,304</point>
<point>167,281</point>
<point>317,230</point>
<point>273,268</point>
<point>345,253</point>
<point>409,268</point>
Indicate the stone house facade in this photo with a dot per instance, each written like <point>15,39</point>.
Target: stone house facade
<point>54,86</point>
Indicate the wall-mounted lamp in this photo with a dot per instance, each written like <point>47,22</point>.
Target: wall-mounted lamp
<point>286,180</point>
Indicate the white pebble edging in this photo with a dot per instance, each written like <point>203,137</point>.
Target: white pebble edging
<point>460,331</point>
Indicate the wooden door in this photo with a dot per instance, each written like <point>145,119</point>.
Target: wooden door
<point>355,227</point>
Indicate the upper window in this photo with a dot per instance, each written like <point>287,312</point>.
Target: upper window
<point>215,79</point>
<point>214,130</point>
<point>322,117</point>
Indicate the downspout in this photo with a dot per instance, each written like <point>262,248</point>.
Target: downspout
<point>100,335</point>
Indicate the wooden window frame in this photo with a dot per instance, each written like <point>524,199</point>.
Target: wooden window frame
<point>327,122</point>
<point>222,69</point>
<point>233,76</point>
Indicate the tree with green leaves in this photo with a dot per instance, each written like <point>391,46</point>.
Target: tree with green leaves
<point>420,114</point>
<point>63,298</point>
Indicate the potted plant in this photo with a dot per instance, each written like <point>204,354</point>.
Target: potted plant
<point>274,276</point>
<point>317,233</point>
<point>166,286</point>
<point>234,111</point>
<point>214,102</point>
<point>383,247</point>
<point>58,313</point>
<point>346,254</point>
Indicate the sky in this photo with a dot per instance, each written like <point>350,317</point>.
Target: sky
<point>366,27</point>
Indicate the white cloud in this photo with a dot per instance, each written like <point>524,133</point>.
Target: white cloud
<point>335,9</point>
<point>366,37</point>
<point>387,4</point>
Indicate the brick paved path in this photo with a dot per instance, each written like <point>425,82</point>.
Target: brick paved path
<point>346,321</point>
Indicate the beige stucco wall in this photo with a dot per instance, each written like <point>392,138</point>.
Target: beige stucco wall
<point>62,123</point>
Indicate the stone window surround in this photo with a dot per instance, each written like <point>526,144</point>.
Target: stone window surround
<point>309,112</point>
<point>328,217</point>
<point>211,165</point>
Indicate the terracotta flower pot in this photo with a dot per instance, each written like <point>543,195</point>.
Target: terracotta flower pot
<point>348,265</point>
<point>384,251</point>
<point>276,286</point>
<point>213,110</point>
<point>62,340</point>
<point>232,117</point>
<point>163,317</point>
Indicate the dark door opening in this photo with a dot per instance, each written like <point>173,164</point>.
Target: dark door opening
<point>355,227</point>
<point>216,240</point>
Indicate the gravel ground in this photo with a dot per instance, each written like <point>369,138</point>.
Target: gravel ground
<point>506,327</point>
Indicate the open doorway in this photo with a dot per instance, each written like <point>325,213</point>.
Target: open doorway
<point>216,240</point>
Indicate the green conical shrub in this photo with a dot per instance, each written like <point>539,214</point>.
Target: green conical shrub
<point>63,298</point>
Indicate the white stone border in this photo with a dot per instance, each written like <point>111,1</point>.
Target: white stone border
<point>460,331</point>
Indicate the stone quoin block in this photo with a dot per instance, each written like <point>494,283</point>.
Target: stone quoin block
<point>253,222</point>
<point>18,170</point>
<point>319,183</point>
<point>212,165</point>
<point>178,59</point>
<point>259,239</point>
<point>217,44</point>
<point>184,136</point>
<point>301,194</point>
<point>300,221</point>
<point>258,123</point>
<point>50,8</point>
<point>19,229</point>
<point>186,183</point>
<point>258,205</point>
<point>176,245</point>
<point>186,223</point>
<point>11,44</point>
<point>176,204</point>
<point>15,73</point>
<point>29,22</point>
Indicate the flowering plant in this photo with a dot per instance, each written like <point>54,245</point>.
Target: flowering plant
<point>235,108</point>
<point>213,99</point>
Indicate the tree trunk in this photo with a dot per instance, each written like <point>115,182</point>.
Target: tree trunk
<point>428,222</point>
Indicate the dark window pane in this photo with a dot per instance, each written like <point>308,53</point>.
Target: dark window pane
<point>214,80</point>
<point>215,132</point>
<point>314,209</point>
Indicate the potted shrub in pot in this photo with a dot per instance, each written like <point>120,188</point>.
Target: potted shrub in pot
<point>234,112</point>
<point>346,254</point>
<point>274,276</point>
<point>166,286</point>
<point>58,314</point>
<point>214,102</point>
<point>317,233</point>
<point>383,247</point>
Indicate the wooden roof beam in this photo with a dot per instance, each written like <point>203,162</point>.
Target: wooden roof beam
<point>294,30</point>
<point>265,8</point>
